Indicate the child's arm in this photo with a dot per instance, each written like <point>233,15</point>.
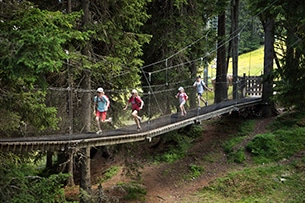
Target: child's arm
<point>142,103</point>
<point>206,87</point>
<point>126,105</point>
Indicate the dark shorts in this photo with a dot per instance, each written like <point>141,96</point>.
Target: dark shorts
<point>200,94</point>
<point>138,110</point>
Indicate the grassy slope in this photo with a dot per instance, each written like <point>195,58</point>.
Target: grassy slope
<point>250,63</point>
<point>276,173</point>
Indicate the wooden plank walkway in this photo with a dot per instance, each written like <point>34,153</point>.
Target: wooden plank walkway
<point>150,129</point>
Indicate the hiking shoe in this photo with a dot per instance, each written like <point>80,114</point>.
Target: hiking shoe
<point>110,120</point>
<point>206,103</point>
<point>99,132</point>
<point>139,129</point>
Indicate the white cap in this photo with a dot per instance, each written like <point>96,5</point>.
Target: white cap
<point>134,91</point>
<point>180,88</point>
<point>100,89</point>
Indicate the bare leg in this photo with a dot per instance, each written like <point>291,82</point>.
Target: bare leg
<point>183,112</point>
<point>107,120</point>
<point>98,124</point>
<point>204,101</point>
<point>136,118</point>
<point>198,97</point>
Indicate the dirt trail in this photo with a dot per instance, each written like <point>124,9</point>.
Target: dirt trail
<point>169,182</point>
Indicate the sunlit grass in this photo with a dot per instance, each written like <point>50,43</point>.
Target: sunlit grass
<point>251,63</point>
<point>271,177</point>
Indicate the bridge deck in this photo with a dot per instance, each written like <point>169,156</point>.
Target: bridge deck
<point>150,129</point>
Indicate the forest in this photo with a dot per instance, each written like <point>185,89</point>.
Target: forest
<point>55,54</point>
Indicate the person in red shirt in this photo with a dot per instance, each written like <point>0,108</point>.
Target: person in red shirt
<point>136,105</point>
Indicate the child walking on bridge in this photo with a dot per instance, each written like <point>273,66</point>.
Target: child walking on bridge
<point>182,96</point>
<point>200,87</point>
<point>101,105</point>
<point>136,105</point>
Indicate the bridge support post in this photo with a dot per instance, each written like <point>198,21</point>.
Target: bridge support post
<point>85,178</point>
<point>70,169</point>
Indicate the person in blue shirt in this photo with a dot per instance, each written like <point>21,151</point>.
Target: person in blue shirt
<point>101,105</point>
<point>200,87</point>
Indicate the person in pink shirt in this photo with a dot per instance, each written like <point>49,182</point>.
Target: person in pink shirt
<point>182,96</point>
<point>136,105</point>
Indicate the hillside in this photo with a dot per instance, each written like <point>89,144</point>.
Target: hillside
<point>153,181</point>
<point>250,63</point>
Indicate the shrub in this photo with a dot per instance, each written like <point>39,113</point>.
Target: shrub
<point>264,146</point>
<point>133,191</point>
<point>179,142</point>
<point>237,156</point>
<point>195,170</point>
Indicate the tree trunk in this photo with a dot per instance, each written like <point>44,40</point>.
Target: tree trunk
<point>235,13</point>
<point>221,92</point>
<point>192,94</point>
<point>268,107</point>
<point>85,178</point>
<point>168,97</point>
<point>86,111</point>
<point>70,169</point>
<point>69,7</point>
<point>49,163</point>
<point>85,182</point>
<point>86,82</point>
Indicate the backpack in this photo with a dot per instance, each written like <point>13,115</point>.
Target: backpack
<point>201,82</point>
<point>108,100</point>
<point>184,96</point>
<point>137,100</point>
<point>101,100</point>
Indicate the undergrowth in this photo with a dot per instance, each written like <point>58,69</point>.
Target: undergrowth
<point>277,145</point>
<point>277,173</point>
<point>178,142</point>
<point>233,148</point>
<point>133,191</point>
<point>264,183</point>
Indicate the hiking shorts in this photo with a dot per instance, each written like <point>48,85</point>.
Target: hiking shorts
<point>101,115</point>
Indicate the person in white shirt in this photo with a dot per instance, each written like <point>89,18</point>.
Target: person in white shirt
<point>200,87</point>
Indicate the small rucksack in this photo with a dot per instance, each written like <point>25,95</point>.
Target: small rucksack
<point>100,100</point>
<point>137,100</point>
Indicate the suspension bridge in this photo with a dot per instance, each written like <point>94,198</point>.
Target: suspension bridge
<point>150,129</point>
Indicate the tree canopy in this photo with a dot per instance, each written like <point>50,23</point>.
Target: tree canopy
<point>120,45</point>
<point>43,41</point>
<point>32,46</point>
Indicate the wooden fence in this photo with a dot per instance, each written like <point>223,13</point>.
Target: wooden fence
<point>250,85</point>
